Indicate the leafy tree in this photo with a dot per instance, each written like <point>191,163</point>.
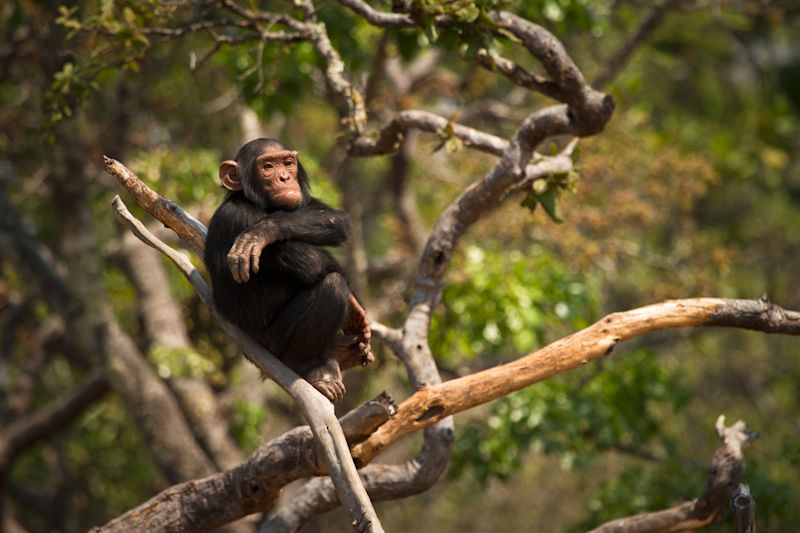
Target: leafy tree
<point>117,385</point>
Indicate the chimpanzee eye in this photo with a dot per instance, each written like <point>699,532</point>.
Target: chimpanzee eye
<point>267,164</point>
<point>288,162</point>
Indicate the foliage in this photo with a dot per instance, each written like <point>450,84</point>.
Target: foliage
<point>499,305</point>
<point>246,419</point>
<point>614,405</point>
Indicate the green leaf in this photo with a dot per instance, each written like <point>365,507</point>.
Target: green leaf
<point>530,201</point>
<point>550,202</point>
<point>468,14</point>
<point>129,15</point>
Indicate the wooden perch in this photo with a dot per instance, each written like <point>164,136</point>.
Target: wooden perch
<point>724,474</point>
<point>433,403</point>
<point>224,497</point>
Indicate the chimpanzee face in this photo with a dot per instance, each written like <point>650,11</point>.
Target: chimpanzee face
<point>275,174</point>
<point>268,174</point>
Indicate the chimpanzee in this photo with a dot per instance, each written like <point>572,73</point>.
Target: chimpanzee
<point>271,275</point>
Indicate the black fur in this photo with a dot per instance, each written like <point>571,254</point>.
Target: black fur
<point>297,302</point>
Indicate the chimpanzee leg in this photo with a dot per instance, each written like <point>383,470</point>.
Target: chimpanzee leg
<point>302,335</point>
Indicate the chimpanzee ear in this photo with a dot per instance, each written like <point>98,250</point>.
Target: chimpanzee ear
<point>229,175</point>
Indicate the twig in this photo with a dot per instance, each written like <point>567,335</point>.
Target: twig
<point>618,59</point>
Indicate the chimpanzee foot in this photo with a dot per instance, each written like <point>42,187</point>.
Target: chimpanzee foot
<point>351,351</point>
<point>327,379</point>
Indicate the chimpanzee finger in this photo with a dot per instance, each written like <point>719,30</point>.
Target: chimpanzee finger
<point>255,257</point>
<point>349,340</point>
<point>244,268</point>
<point>367,359</point>
<point>233,266</point>
<point>339,386</point>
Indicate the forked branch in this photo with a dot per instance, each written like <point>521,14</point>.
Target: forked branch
<point>724,475</point>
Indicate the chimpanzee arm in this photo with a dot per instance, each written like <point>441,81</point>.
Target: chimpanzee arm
<point>314,223</point>
<point>305,262</point>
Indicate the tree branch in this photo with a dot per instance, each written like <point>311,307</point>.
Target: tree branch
<point>227,496</point>
<point>595,342</point>
<point>725,473</point>
<point>389,137</point>
<point>436,402</point>
<point>744,510</point>
<point>165,329</point>
<point>188,228</point>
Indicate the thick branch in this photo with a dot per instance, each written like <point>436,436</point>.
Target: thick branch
<point>382,481</point>
<point>595,342</point>
<point>227,496</point>
<point>725,474</point>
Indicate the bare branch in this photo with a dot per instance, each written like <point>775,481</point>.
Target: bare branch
<point>349,101</point>
<point>391,336</point>
<point>595,342</point>
<point>590,109</point>
<point>744,510</point>
<point>725,473</point>
<point>391,135</point>
<point>517,74</point>
<point>227,496</point>
<point>379,18</point>
<point>187,227</point>
<point>382,481</point>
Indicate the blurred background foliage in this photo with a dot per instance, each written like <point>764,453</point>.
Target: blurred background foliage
<point>692,190</point>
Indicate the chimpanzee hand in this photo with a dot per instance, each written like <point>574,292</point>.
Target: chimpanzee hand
<point>246,250</point>
<point>356,323</point>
